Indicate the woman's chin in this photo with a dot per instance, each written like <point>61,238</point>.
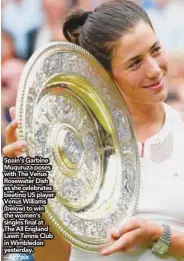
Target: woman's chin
<point>161,96</point>
<point>164,93</point>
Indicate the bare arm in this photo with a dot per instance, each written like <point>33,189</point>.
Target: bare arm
<point>177,244</point>
<point>57,249</point>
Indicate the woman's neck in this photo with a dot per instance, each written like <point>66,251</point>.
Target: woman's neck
<point>148,119</point>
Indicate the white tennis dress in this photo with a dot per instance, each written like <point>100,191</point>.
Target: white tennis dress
<point>161,190</point>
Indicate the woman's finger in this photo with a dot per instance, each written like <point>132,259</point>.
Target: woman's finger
<point>11,132</point>
<point>132,238</point>
<point>12,113</point>
<point>14,149</point>
<point>116,246</point>
<point>125,242</point>
<point>126,227</point>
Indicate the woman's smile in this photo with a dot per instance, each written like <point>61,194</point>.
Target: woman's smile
<point>155,86</point>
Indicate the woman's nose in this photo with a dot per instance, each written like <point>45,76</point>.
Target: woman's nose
<point>154,71</point>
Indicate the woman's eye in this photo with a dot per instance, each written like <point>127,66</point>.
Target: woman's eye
<point>157,50</point>
<point>135,64</point>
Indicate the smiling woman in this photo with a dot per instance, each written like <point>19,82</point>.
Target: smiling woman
<point>120,35</point>
<point>139,66</point>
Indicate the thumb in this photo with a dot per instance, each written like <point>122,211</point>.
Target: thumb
<point>12,112</point>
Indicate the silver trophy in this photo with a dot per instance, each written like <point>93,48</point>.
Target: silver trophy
<point>71,112</point>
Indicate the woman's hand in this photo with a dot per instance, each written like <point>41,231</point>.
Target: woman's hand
<point>135,232</point>
<point>14,147</point>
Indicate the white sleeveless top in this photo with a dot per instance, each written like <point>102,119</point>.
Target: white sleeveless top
<point>161,189</point>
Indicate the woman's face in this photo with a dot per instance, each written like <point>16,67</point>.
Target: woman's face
<point>139,66</point>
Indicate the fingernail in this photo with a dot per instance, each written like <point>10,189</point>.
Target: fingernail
<point>15,122</point>
<point>22,143</point>
<point>104,252</point>
<point>23,150</point>
<point>11,109</point>
<point>116,232</point>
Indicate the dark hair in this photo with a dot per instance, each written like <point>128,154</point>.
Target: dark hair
<point>98,31</point>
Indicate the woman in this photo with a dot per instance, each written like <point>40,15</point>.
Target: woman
<point>121,36</point>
